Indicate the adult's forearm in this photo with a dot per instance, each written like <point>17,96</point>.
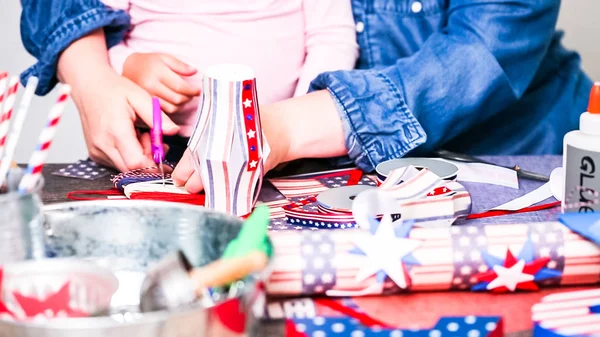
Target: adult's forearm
<point>83,58</point>
<point>310,123</point>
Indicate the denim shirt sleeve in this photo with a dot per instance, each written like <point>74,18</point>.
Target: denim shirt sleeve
<point>49,26</point>
<point>482,61</point>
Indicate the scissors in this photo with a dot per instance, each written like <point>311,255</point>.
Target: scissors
<point>469,159</point>
<point>158,152</point>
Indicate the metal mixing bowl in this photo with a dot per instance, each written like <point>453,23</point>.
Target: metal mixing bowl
<point>127,237</point>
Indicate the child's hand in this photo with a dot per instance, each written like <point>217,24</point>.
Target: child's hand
<point>162,76</point>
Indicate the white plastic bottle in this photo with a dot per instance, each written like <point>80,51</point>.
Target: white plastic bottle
<point>581,160</point>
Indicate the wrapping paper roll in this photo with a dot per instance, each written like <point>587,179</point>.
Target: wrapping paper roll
<point>497,258</point>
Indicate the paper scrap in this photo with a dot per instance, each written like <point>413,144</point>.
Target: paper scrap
<point>486,174</point>
<point>540,194</point>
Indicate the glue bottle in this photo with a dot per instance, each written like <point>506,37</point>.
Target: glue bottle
<point>581,160</point>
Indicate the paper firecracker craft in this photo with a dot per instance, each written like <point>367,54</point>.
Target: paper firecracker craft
<point>228,146</point>
<point>358,262</point>
<point>574,313</point>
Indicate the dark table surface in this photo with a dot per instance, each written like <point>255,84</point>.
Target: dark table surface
<point>515,308</point>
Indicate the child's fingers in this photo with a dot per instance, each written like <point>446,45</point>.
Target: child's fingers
<point>194,184</point>
<point>166,106</point>
<point>184,169</point>
<point>180,85</point>
<point>178,66</point>
<point>169,96</point>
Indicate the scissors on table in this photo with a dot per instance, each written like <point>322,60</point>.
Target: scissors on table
<point>469,159</point>
<point>158,152</point>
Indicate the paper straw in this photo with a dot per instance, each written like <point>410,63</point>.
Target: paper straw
<point>9,102</point>
<point>38,159</point>
<point>11,143</point>
<point>3,83</point>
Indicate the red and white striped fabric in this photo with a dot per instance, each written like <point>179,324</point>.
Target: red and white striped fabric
<point>575,313</point>
<point>38,158</point>
<point>7,108</point>
<point>228,145</point>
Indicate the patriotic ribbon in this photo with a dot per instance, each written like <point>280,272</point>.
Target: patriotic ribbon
<point>407,193</point>
<point>228,146</point>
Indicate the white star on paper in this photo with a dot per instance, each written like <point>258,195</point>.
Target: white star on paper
<point>251,134</point>
<point>385,252</point>
<point>510,277</point>
<point>253,163</point>
<point>247,103</point>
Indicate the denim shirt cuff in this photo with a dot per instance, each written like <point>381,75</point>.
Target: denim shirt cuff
<point>115,23</point>
<point>369,141</point>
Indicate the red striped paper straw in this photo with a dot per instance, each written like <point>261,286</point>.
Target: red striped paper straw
<point>3,83</point>
<point>7,108</point>
<point>38,159</point>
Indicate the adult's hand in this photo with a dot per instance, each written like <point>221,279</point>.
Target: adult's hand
<point>304,127</point>
<point>109,105</point>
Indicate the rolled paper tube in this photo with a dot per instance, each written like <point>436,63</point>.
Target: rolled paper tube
<point>441,259</point>
<point>7,109</point>
<point>39,156</point>
<point>225,271</point>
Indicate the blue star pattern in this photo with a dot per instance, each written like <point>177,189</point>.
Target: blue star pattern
<point>467,243</point>
<point>319,274</point>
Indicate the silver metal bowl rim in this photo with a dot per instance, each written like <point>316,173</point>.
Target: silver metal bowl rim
<point>145,318</point>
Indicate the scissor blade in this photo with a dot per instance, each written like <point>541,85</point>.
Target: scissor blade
<point>162,172</point>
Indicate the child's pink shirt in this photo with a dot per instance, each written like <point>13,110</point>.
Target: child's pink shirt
<point>287,42</point>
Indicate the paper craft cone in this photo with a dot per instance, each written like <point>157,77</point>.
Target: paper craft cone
<point>227,145</point>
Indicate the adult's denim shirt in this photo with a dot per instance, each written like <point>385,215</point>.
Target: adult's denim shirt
<point>475,76</point>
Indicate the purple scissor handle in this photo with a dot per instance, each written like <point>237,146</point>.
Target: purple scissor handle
<point>158,152</point>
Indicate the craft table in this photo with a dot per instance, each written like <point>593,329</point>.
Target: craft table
<point>417,308</point>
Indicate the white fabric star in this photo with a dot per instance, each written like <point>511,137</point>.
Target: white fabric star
<point>247,103</point>
<point>251,134</point>
<point>385,252</point>
<point>510,277</point>
<point>253,164</point>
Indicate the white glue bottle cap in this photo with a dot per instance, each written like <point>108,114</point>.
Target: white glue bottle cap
<point>589,122</point>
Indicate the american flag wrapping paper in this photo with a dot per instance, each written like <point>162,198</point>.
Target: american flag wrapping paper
<point>320,318</point>
<point>228,146</point>
<point>575,313</point>
<point>393,258</point>
<point>431,201</point>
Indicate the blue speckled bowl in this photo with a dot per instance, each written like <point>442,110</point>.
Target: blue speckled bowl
<point>127,237</point>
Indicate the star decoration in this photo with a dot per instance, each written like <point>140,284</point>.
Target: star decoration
<point>251,134</point>
<point>54,304</point>
<point>253,163</point>
<point>247,103</point>
<point>388,249</point>
<point>514,273</point>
